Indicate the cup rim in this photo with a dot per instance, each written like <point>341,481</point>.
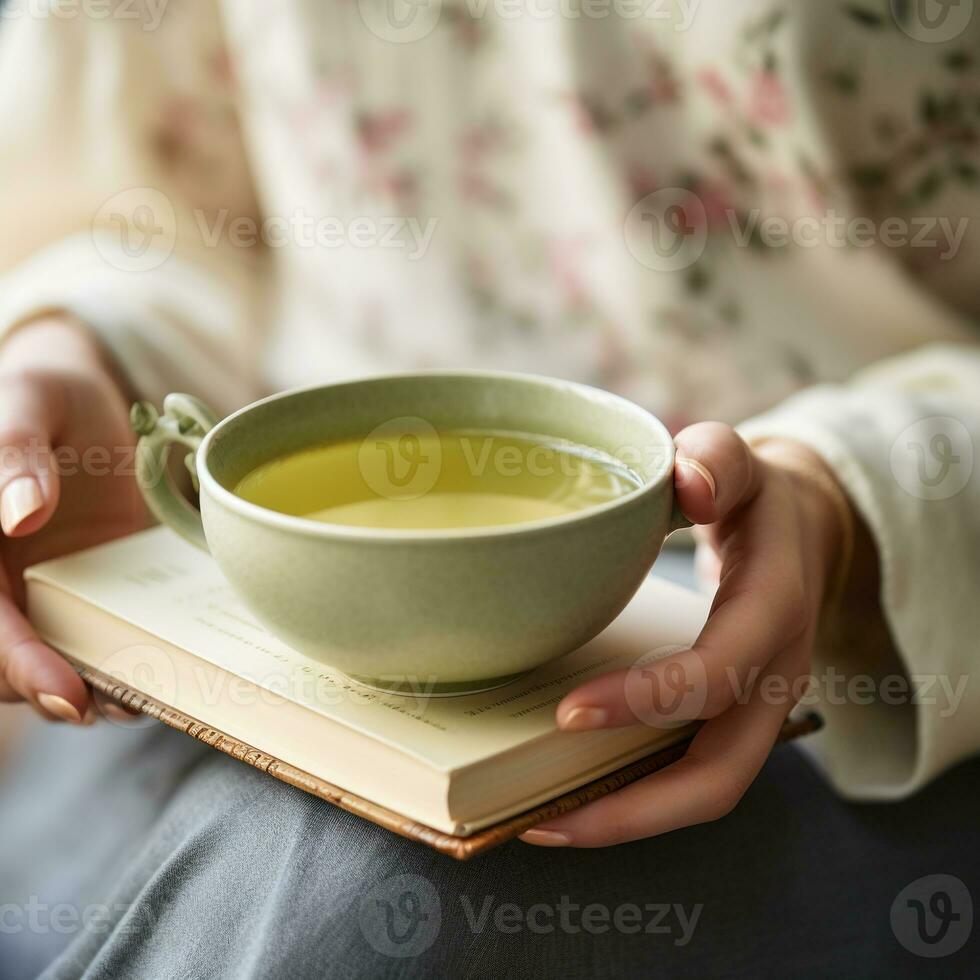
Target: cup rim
<point>303,525</point>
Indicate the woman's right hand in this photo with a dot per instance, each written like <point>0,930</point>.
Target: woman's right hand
<point>66,482</point>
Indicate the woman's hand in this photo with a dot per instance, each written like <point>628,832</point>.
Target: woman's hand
<point>66,482</point>
<point>772,537</point>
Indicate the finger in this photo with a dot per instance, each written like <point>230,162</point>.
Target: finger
<point>29,484</point>
<point>31,670</point>
<point>706,784</point>
<point>714,472</point>
<point>761,604</point>
<point>759,608</point>
<point>113,710</point>
<point>707,567</point>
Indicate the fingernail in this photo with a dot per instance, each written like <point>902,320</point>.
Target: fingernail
<point>91,715</point>
<point>546,838</point>
<point>584,719</point>
<point>685,468</point>
<point>20,498</point>
<point>60,708</point>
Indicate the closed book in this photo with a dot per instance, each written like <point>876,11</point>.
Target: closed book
<point>149,621</point>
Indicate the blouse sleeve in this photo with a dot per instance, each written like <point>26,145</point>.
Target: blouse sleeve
<point>123,168</point>
<point>902,438</point>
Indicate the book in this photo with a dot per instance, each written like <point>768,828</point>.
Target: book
<point>150,621</point>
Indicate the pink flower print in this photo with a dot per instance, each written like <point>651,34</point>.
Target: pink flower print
<point>565,258</point>
<point>716,86</point>
<point>480,141</point>
<point>379,131</point>
<point>613,357</point>
<point>477,145</point>
<point>777,182</point>
<point>320,107</point>
<point>716,204</point>
<point>768,103</point>
<point>478,270</point>
<point>469,31</point>
<point>815,194</point>
<point>403,186</point>
<point>471,34</point>
<point>590,116</point>
<point>476,188</point>
<point>641,181</point>
<point>663,86</point>
<point>333,90</point>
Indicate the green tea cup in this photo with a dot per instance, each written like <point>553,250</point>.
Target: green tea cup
<point>441,611</point>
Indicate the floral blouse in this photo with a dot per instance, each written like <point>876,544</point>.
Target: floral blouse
<point>707,206</point>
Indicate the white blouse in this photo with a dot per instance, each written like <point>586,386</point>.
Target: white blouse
<point>715,209</point>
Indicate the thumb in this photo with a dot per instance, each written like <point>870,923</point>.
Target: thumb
<point>29,482</point>
<point>714,473</point>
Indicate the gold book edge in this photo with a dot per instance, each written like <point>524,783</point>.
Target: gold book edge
<point>460,848</point>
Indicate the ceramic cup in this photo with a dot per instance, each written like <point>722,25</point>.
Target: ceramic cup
<point>444,611</point>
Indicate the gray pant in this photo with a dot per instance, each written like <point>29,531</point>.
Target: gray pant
<point>138,853</point>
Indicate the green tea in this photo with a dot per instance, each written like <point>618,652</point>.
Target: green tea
<point>417,478</point>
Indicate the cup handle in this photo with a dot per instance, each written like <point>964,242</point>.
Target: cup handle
<point>185,420</point>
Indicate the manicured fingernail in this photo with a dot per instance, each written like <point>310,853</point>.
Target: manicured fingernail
<point>546,838</point>
<point>584,719</point>
<point>60,708</point>
<point>20,498</point>
<point>685,468</point>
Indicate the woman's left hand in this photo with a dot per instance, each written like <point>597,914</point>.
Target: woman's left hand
<point>773,536</point>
